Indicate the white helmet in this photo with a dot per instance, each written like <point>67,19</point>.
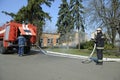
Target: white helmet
<point>99,29</point>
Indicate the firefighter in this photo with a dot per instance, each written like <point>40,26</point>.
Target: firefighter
<point>99,40</point>
<point>21,44</point>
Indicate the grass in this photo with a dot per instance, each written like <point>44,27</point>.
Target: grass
<point>84,52</point>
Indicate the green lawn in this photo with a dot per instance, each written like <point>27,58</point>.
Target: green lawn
<point>84,52</point>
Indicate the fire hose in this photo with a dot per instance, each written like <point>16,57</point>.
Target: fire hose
<point>88,60</point>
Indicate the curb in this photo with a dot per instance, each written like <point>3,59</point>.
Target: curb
<point>79,56</point>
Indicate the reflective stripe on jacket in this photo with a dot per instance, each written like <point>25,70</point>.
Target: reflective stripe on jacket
<point>100,47</point>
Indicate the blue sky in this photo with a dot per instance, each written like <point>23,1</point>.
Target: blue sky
<point>10,6</point>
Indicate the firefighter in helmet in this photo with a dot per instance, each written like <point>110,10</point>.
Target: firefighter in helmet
<point>21,44</point>
<point>99,40</point>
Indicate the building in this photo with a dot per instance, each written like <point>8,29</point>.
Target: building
<point>52,39</point>
<point>49,39</point>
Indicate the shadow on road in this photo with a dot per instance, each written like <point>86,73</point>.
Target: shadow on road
<point>32,52</point>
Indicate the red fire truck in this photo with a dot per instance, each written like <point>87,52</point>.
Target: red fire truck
<point>9,33</point>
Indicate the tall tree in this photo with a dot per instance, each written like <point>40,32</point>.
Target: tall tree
<point>77,12</point>
<point>33,13</point>
<point>107,14</point>
<point>64,23</point>
<point>38,16</point>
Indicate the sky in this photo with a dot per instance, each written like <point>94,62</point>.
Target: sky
<point>10,6</point>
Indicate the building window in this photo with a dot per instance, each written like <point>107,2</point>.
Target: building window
<point>50,40</point>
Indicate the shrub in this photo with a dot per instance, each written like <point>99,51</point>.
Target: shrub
<point>90,44</point>
<point>108,46</point>
<point>86,45</point>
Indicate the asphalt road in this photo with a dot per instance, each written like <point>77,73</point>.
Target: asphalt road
<point>44,67</point>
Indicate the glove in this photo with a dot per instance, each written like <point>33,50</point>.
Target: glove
<point>93,40</point>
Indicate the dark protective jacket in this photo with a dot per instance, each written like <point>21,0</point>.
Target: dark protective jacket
<point>99,41</point>
<point>21,41</point>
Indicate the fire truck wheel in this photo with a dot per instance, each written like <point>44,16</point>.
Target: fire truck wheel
<point>2,49</point>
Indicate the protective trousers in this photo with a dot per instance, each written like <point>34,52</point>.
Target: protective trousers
<point>100,55</point>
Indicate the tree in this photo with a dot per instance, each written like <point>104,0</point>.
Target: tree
<point>38,16</point>
<point>34,14</point>
<point>77,12</point>
<point>64,23</point>
<point>107,14</point>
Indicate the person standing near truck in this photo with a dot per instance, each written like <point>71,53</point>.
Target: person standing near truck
<point>21,44</point>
